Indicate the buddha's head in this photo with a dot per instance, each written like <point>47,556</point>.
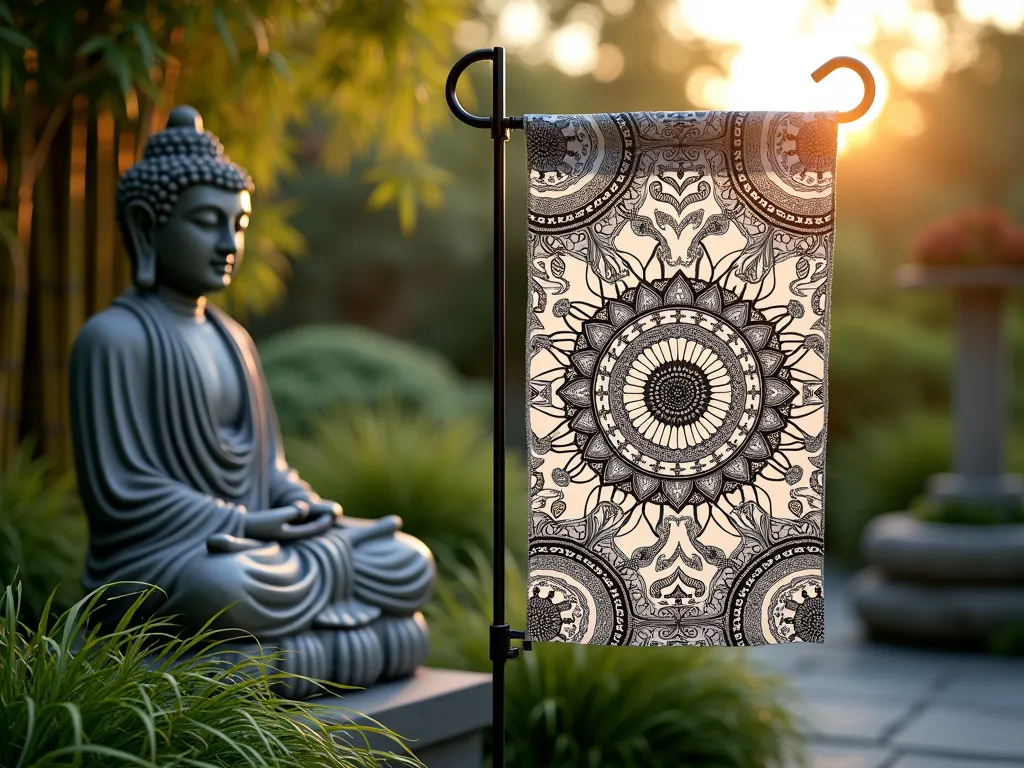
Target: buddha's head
<point>183,210</point>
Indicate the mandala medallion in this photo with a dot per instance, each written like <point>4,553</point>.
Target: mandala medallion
<point>798,610</point>
<point>782,167</point>
<point>677,391</point>
<point>575,596</point>
<point>778,597</point>
<point>579,168</point>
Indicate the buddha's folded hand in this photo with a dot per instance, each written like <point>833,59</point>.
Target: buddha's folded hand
<point>295,521</point>
<point>325,507</point>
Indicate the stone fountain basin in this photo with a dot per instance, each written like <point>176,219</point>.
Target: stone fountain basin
<point>911,550</point>
<point>938,615</point>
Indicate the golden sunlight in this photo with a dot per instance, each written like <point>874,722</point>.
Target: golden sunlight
<point>753,71</point>
<point>752,29</point>
<point>762,54</point>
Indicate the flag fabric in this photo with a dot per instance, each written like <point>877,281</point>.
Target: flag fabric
<point>677,346</point>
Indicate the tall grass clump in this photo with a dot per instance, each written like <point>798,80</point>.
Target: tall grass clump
<point>592,707</point>
<point>42,533</point>
<point>137,695</point>
<point>435,475</point>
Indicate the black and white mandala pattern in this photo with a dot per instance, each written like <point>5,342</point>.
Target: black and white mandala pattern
<point>678,326</point>
<point>575,596</point>
<point>677,388</point>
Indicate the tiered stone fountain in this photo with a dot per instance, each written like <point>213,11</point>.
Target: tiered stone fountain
<point>944,583</point>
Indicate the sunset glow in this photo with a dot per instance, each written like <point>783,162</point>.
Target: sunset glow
<point>763,53</point>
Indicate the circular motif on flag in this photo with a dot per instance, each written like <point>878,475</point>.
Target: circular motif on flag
<point>575,596</point>
<point>579,166</point>
<point>675,386</point>
<point>782,165</point>
<point>778,597</point>
<point>677,391</point>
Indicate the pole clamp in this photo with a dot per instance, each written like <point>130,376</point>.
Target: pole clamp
<point>501,648</point>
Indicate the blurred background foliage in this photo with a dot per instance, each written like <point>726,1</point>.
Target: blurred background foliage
<point>314,370</point>
<point>83,85</point>
<point>42,534</point>
<point>374,323</point>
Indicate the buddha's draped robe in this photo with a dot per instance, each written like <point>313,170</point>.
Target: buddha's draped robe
<point>159,477</point>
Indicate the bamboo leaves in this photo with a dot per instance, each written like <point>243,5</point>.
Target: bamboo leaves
<point>148,50</point>
<point>414,182</point>
<point>368,73</point>
<point>118,64</point>
<point>12,46</point>
<point>224,31</point>
<point>16,39</point>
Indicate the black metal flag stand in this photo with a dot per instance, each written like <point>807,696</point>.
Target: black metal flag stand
<point>501,648</point>
<point>500,125</point>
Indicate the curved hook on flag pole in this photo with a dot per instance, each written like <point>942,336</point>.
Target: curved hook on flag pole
<point>483,54</point>
<point>488,54</point>
<point>858,66</point>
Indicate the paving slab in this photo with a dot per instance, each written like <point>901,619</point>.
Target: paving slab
<point>958,732</point>
<point>890,661</point>
<point>840,756</point>
<point>932,761</point>
<point>984,692</point>
<point>873,705</point>
<point>793,658</point>
<point>896,689</point>
<point>850,720</point>
<point>442,712</point>
<point>993,666</point>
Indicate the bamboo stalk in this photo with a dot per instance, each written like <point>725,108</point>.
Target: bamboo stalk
<point>16,294</point>
<point>6,279</point>
<point>104,170</point>
<point>73,285</point>
<point>125,159</point>
<point>46,291</point>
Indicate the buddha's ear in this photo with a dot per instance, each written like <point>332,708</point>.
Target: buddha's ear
<point>140,222</point>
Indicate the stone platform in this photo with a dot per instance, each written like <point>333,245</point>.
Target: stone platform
<point>442,713</point>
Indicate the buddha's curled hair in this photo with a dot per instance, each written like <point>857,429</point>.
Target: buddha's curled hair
<point>180,156</point>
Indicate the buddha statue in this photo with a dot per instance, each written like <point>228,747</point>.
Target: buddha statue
<point>180,462</point>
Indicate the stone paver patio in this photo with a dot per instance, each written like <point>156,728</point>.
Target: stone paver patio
<point>867,705</point>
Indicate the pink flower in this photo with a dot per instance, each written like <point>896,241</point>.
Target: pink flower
<point>976,236</point>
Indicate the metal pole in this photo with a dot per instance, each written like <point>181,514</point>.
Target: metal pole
<point>501,649</point>
<point>500,135</point>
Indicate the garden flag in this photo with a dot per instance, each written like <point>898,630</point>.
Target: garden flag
<point>679,270</point>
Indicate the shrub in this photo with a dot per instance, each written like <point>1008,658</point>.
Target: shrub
<point>882,467</point>
<point>587,707</point>
<point>139,696</point>
<point>42,533</point>
<point>436,477</point>
<point>957,512</point>
<point>313,370</point>
<point>880,364</point>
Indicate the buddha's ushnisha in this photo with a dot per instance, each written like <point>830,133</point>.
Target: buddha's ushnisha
<point>179,458</point>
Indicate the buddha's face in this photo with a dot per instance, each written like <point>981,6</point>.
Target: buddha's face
<point>200,246</point>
